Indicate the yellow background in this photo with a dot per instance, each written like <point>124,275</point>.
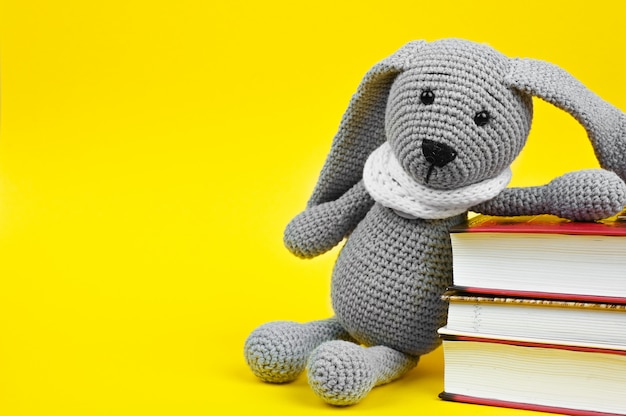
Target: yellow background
<point>150,155</point>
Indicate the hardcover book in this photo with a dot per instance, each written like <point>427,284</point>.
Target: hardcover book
<point>535,374</point>
<point>560,320</point>
<point>541,257</point>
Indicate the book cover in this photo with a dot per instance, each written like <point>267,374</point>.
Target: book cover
<point>563,320</point>
<point>541,256</point>
<point>543,224</point>
<point>534,374</point>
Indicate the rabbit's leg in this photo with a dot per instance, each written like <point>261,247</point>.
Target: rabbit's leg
<point>277,352</point>
<point>342,373</point>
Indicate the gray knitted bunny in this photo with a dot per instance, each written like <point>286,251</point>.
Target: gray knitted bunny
<point>429,134</point>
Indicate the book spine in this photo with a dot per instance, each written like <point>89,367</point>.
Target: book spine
<point>538,295</point>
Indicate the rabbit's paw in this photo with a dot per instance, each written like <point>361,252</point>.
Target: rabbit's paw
<point>340,373</point>
<point>586,195</point>
<point>314,231</point>
<point>276,352</point>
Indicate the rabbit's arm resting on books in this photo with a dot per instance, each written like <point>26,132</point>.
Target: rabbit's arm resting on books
<point>585,195</point>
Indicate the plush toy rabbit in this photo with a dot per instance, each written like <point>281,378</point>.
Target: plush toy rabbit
<point>430,133</point>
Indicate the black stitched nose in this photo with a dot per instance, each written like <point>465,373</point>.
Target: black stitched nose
<point>437,154</point>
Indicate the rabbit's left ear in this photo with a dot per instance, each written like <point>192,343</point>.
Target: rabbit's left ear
<point>604,123</point>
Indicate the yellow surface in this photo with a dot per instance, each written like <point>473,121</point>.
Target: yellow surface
<point>150,155</point>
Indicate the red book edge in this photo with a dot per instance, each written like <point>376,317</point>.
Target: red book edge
<point>523,406</point>
<point>542,224</point>
<point>538,295</point>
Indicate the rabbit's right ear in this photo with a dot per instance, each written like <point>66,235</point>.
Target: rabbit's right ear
<point>604,123</point>
<point>362,128</point>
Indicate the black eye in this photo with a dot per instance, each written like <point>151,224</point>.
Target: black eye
<point>481,118</point>
<point>427,97</point>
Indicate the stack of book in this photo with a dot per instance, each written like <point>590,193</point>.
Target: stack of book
<point>537,316</point>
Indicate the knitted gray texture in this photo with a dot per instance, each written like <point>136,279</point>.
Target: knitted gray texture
<point>579,196</point>
<point>389,278</point>
<point>605,124</point>
<point>455,114</point>
<point>362,127</point>
<point>278,351</point>
<point>321,227</point>
<point>342,373</point>
<point>464,81</point>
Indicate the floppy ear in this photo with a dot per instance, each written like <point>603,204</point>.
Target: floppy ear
<point>605,124</point>
<point>362,128</point>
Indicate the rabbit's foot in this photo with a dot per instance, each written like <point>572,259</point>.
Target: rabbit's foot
<point>343,373</point>
<point>277,352</point>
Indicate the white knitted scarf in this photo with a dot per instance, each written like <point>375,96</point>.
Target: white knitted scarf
<point>388,184</point>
